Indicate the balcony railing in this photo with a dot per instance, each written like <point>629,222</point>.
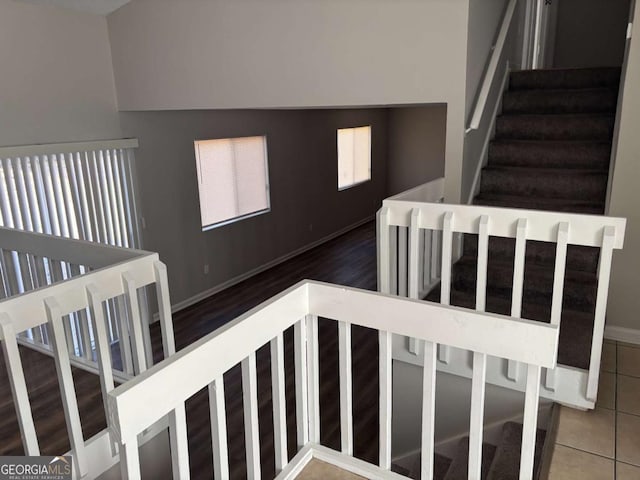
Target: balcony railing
<point>69,316</point>
<point>175,380</point>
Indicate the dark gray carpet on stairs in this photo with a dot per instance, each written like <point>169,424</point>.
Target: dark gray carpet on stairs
<point>501,462</point>
<point>550,152</point>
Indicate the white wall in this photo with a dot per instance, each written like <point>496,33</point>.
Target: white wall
<point>305,203</point>
<point>624,301</point>
<point>57,82</point>
<point>308,53</point>
<point>484,21</point>
<point>416,146</point>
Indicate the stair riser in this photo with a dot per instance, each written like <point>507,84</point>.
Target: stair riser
<point>585,207</point>
<point>541,253</point>
<point>560,102</point>
<point>541,127</point>
<point>594,156</point>
<point>583,186</point>
<point>566,79</point>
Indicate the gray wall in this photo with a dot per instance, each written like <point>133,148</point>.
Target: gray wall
<point>309,53</point>
<point>590,33</point>
<point>485,17</point>
<point>416,146</point>
<point>57,81</point>
<point>305,203</point>
<point>624,301</point>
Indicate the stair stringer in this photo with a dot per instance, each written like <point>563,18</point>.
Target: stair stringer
<point>570,382</point>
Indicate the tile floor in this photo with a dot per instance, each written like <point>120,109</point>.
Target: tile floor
<point>604,444</point>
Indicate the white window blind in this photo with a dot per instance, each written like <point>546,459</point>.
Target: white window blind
<point>82,191</point>
<point>232,179</point>
<point>354,156</point>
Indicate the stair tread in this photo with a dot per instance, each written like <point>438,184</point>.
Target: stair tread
<point>544,170</point>
<point>575,78</point>
<point>458,470</point>
<point>506,462</point>
<point>560,101</point>
<point>441,465</point>
<point>554,204</point>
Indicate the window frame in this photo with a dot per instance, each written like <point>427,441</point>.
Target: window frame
<point>267,184</point>
<point>355,184</point>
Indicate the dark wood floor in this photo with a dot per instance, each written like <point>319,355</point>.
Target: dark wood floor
<point>348,260</point>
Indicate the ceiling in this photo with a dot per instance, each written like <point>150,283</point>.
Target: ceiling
<point>99,7</point>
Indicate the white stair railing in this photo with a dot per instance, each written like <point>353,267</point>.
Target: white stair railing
<point>405,263</point>
<point>111,273</point>
<point>172,382</point>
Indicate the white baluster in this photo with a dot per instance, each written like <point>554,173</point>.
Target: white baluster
<point>477,414</point>
<point>513,369</point>
<point>604,271</point>
<point>218,418</point>
<point>179,443</point>
<point>250,403</point>
<point>414,265</point>
<point>530,422</point>
<point>386,385</point>
<point>130,460</point>
<point>279,402</point>
<point>384,252</point>
<point>103,347</point>
<point>65,380</point>
<point>346,398</point>
<point>558,290</point>
<point>18,386</point>
<point>164,309</point>
<point>131,292</point>
<point>444,354</point>
<point>428,409</point>
<point>313,363</point>
<point>302,385</point>
<point>402,262</point>
<point>483,254</point>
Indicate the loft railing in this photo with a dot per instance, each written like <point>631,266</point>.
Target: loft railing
<point>61,314</point>
<point>84,191</point>
<point>172,382</point>
<point>403,265</point>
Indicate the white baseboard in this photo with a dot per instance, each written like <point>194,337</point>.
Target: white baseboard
<point>233,281</point>
<point>622,334</point>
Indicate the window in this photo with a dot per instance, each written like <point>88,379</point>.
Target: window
<point>354,156</point>
<point>232,179</point>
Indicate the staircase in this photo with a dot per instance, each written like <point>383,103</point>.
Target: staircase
<point>499,462</point>
<point>551,151</point>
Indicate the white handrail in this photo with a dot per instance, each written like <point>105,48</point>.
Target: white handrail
<point>55,148</point>
<point>492,67</point>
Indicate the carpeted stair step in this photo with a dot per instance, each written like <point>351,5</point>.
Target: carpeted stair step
<point>440,467</point>
<point>460,465</point>
<point>565,78</point>
<point>548,183</point>
<point>506,463</point>
<point>589,207</point>
<point>576,328</point>
<point>579,287</point>
<point>593,127</point>
<point>541,253</point>
<point>550,154</point>
<point>591,100</point>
